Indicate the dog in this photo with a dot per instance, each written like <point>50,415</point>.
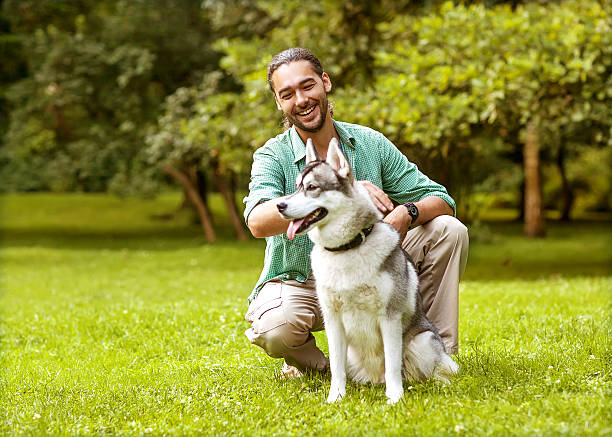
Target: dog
<point>367,288</point>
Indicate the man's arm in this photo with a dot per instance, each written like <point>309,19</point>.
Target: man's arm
<point>265,221</point>
<point>266,188</point>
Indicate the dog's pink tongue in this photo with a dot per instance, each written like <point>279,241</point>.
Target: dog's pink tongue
<point>293,227</point>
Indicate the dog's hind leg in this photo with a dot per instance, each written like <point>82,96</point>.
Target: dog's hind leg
<point>446,368</point>
<point>424,356</point>
<point>391,330</point>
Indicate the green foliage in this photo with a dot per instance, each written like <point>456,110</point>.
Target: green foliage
<point>79,120</point>
<point>28,15</point>
<point>594,193</point>
<point>71,88</point>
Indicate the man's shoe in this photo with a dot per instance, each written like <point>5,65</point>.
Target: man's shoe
<point>290,372</point>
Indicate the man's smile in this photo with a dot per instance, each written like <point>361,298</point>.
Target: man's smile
<point>307,112</point>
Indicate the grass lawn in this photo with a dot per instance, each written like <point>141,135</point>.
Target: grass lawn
<point>116,322</point>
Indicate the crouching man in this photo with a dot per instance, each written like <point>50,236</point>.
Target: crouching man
<point>283,309</point>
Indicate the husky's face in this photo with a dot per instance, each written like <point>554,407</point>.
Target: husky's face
<point>320,188</point>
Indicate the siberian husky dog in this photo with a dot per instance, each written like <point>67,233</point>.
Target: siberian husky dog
<point>367,289</point>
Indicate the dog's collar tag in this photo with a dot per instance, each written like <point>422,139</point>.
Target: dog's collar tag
<point>359,238</point>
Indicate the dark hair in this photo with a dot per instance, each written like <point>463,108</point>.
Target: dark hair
<point>292,55</point>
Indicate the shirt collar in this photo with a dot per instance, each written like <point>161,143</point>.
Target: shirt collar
<point>299,148</point>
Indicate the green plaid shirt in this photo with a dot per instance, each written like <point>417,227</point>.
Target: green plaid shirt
<point>372,157</point>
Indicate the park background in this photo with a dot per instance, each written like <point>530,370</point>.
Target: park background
<point>127,130</point>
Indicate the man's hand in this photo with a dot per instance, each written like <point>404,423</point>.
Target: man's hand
<point>378,196</point>
<point>398,217</point>
<point>400,220</point>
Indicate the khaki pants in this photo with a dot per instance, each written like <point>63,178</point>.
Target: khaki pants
<point>284,313</point>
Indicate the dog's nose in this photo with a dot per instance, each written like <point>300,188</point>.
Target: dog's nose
<point>281,206</point>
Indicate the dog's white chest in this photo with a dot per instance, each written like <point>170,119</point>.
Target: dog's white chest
<point>357,300</point>
<point>347,285</point>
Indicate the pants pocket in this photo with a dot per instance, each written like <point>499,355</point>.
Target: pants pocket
<point>266,311</point>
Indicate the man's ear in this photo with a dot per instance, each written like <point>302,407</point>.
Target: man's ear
<point>337,160</point>
<point>311,152</point>
<point>278,106</point>
<point>326,82</point>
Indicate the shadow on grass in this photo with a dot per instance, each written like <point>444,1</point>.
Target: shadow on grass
<point>581,248</point>
<point>135,239</point>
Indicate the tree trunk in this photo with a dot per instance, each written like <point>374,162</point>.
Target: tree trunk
<point>202,185</point>
<point>194,197</point>
<point>534,217</point>
<point>228,196</point>
<point>521,214</point>
<point>566,189</point>
<point>198,179</point>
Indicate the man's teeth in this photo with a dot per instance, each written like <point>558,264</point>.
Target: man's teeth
<point>308,111</point>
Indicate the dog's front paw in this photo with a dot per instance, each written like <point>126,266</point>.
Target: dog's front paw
<point>394,394</point>
<point>335,394</point>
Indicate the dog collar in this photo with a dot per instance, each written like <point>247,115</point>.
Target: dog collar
<point>359,238</point>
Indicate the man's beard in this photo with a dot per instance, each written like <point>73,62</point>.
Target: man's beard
<point>323,106</point>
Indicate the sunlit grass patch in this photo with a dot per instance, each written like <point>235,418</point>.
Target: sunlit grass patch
<point>143,335</point>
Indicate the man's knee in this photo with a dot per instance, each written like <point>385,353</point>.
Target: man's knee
<point>451,228</point>
<point>278,340</point>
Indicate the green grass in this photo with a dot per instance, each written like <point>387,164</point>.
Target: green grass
<point>117,323</point>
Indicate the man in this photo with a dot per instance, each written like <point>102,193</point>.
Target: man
<point>283,309</point>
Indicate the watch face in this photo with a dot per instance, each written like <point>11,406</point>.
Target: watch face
<point>412,210</point>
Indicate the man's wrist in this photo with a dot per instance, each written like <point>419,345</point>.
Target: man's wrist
<point>413,212</point>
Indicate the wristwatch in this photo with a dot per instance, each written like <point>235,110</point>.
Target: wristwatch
<point>413,211</point>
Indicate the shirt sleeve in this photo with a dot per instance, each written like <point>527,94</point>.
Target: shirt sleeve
<point>403,181</point>
<point>267,179</point>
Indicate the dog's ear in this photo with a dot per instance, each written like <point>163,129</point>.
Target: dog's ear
<point>337,160</point>
<point>311,152</point>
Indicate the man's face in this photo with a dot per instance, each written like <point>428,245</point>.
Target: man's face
<point>302,95</point>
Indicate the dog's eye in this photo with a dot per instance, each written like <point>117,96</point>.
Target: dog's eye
<point>311,187</point>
